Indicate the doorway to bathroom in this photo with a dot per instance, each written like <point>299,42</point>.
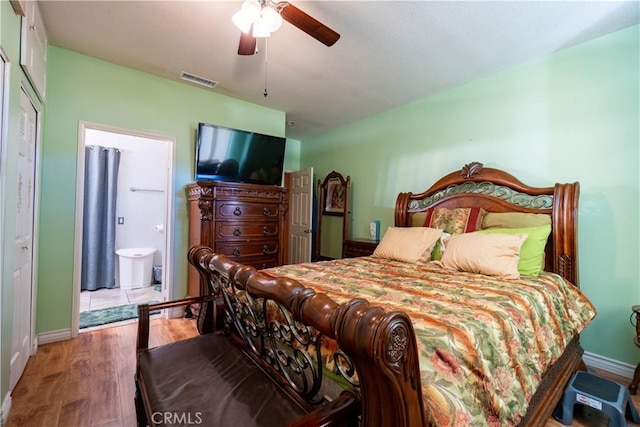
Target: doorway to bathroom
<point>124,211</point>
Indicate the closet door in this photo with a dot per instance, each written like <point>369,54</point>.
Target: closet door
<point>23,241</point>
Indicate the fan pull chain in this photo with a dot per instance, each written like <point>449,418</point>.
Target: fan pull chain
<point>266,54</point>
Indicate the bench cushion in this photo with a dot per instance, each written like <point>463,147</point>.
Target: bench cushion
<point>209,380</point>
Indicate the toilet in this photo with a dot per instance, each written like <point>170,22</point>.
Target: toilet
<point>136,266</point>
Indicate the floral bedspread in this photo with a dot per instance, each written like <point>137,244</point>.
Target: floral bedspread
<point>484,343</point>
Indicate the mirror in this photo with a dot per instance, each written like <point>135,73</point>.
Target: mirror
<point>333,201</point>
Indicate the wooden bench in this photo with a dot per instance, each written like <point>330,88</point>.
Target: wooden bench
<point>255,362</point>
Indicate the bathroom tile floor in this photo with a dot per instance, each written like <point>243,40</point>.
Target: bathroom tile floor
<point>103,298</point>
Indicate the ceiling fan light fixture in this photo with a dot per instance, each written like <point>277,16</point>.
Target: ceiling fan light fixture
<point>247,15</point>
<point>269,19</point>
<point>272,19</point>
<point>261,28</point>
<point>241,22</point>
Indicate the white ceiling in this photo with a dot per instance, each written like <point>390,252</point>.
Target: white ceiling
<point>390,52</point>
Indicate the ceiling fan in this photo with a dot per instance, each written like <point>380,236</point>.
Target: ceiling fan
<point>259,18</point>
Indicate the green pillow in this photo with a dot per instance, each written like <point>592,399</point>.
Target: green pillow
<point>532,251</point>
<point>436,253</point>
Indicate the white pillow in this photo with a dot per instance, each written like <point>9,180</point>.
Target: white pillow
<point>408,244</point>
<point>476,252</point>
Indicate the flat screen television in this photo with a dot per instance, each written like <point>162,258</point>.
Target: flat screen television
<point>234,155</point>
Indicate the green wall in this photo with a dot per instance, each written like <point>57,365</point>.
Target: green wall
<point>82,88</point>
<point>573,116</point>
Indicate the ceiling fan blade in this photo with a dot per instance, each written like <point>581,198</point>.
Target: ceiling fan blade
<point>308,24</point>
<point>247,44</point>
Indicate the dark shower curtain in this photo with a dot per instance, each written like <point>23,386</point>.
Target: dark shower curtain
<point>99,223</point>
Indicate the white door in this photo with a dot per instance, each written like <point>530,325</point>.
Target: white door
<point>300,216</point>
<point>23,241</point>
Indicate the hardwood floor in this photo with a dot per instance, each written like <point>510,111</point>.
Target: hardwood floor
<point>88,381</point>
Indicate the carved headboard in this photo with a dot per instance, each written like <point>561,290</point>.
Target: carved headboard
<point>498,191</point>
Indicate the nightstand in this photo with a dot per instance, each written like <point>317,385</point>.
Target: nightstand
<point>358,247</point>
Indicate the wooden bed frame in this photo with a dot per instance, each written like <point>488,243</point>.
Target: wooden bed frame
<point>498,191</point>
<point>382,345</point>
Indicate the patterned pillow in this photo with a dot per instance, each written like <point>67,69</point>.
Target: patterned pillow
<point>456,220</point>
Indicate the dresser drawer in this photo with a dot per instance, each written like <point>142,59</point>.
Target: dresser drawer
<point>247,211</point>
<point>229,230</point>
<point>260,263</point>
<point>240,250</point>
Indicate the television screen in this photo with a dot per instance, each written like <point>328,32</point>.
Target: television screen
<point>235,155</point>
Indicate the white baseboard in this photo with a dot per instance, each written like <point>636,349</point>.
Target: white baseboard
<point>6,407</point>
<point>65,334</point>
<point>617,367</point>
<point>54,336</point>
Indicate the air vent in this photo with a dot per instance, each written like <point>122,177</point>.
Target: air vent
<point>200,81</point>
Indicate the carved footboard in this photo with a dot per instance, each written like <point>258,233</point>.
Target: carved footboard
<point>380,345</point>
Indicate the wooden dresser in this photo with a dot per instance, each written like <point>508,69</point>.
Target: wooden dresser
<point>242,221</point>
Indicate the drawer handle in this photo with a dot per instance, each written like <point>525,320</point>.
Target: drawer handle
<point>265,230</point>
<point>266,212</point>
<point>265,265</point>
<point>236,231</point>
<point>265,249</point>
<point>237,211</point>
<point>236,252</point>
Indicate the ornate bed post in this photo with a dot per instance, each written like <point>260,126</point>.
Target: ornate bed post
<point>402,202</point>
<point>383,347</point>
<point>565,222</point>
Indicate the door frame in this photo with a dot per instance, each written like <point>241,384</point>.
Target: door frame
<point>167,256</point>
<point>5,402</point>
<point>287,231</point>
